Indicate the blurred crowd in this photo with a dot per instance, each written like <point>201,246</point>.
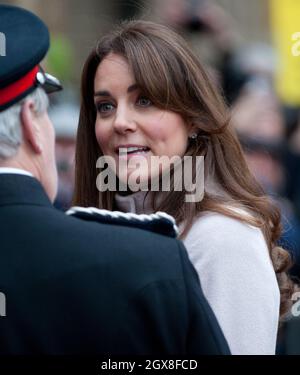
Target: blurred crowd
<point>268,128</point>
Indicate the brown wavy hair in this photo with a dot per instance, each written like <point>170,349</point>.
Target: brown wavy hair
<point>172,77</point>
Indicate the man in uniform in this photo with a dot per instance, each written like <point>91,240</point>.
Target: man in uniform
<point>98,283</point>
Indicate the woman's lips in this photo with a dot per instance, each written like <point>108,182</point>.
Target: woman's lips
<point>133,154</point>
<point>130,151</point>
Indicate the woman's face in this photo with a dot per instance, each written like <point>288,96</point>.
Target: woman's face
<point>129,128</point>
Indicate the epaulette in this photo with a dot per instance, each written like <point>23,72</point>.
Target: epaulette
<point>159,222</point>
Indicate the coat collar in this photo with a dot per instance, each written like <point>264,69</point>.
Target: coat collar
<point>21,189</point>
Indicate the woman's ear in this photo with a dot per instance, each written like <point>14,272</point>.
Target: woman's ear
<point>31,131</point>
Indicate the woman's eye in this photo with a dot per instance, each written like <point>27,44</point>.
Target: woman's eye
<point>104,107</point>
<point>144,102</point>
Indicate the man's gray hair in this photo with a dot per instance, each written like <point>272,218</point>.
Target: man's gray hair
<point>10,122</point>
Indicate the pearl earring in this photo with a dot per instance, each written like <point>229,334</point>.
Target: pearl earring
<point>193,136</point>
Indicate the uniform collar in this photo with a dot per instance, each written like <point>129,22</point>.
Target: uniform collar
<point>22,189</point>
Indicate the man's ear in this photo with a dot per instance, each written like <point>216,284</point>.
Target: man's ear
<point>30,126</point>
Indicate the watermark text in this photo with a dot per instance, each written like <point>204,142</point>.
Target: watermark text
<point>155,173</point>
<point>296,306</point>
<point>2,304</point>
<point>2,44</point>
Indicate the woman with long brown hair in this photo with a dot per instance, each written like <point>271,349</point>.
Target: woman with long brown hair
<point>145,94</point>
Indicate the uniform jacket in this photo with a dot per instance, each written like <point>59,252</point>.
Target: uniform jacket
<point>82,287</point>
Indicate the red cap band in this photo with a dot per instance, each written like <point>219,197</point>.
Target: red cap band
<point>17,88</point>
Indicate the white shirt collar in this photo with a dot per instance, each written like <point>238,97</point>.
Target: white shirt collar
<point>15,171</point>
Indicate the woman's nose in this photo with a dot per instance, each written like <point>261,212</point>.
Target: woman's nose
<point>124,121</point>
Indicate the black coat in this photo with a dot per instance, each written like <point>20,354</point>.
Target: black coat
<point>75,286</point>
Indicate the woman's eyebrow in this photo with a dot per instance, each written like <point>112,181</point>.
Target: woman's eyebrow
<point>107,93</point>
<point>132,87</point>
<point>102,93</point>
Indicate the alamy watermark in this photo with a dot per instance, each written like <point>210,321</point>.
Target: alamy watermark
<point>157,173</point>
<point>2,44</point>
<point>296,306</point>
<point>296,46</point>
<point>2,304</point>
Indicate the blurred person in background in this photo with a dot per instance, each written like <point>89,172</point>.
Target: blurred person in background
<point>212,34</point>
<point>259,121</point>
<point>143,86</point>
<point>291,158</point>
